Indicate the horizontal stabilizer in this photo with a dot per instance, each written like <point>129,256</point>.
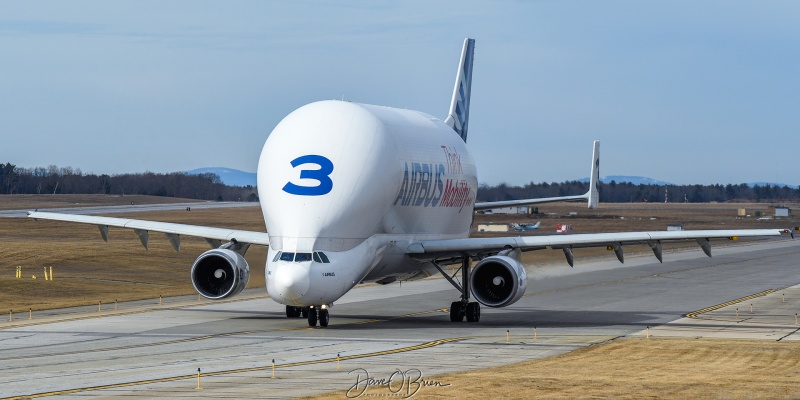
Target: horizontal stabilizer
<point>592,196</point>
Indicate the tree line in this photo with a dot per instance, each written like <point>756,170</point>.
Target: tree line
<point>68,180</point>
<point>624,192</point>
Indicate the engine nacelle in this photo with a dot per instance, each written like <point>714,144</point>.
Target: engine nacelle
<point>220,273</point>
<point>498,281</point>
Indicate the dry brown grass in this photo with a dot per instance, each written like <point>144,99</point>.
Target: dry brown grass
<point>634,369</point>
<point>619,217</point>
<point>622,217</point>
<point>87,270</point>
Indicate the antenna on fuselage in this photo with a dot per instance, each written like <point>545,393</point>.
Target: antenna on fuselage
<point>458,117</point>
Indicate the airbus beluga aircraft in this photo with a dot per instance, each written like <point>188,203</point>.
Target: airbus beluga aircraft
<point>354,193</point>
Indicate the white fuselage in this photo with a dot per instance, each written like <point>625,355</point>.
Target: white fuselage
<point>353,185</point>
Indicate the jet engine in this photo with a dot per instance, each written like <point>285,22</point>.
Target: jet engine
<point>220,273</point>
<point>498,281</point>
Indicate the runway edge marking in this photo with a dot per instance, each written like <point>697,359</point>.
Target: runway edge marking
<point>213,336</point>
<point>145,309</point>
<point>694,314</point>
<point>421,346</point>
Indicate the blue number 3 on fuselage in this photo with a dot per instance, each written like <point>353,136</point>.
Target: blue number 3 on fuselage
<point>321,175</point>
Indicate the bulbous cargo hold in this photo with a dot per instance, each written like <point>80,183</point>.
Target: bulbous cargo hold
<point>498,281</point>
<point>347,171</point>
<point>220,273</point>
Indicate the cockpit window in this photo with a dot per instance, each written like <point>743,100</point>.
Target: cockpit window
<point>301,257</point>
<point>317,256</point>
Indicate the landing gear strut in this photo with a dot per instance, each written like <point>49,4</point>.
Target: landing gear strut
<point>462,308</point>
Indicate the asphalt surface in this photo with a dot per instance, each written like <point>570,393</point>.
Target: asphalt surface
<point>130,208</point>
<point>150,350</point>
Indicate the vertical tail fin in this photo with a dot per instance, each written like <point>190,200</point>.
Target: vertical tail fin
<point>593,194</point>
<point>458,117</point>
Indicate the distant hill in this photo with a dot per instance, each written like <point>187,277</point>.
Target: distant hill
<point>229,176</point>
<point>636,180</point>
<point>641,180</point>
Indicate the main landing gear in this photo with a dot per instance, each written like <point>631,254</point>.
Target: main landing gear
<point>313,314</point>
<point>472,311</point>
<point>296,312</point>
<point>464,307</point>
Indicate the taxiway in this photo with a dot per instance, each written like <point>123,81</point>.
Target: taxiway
<point>143,349</point>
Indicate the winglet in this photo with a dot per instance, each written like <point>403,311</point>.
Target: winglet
<point>458,117</point>
<point>593,194</point>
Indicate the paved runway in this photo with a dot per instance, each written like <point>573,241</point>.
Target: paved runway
<point>131,208</point>
<point>154,351</point>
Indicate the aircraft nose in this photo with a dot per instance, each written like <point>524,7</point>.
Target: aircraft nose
<point>291,282</point>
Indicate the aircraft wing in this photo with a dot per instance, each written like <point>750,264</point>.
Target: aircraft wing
<point>431,249</point>
<point>214,236</point>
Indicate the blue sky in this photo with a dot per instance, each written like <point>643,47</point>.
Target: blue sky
<point>681,91</point>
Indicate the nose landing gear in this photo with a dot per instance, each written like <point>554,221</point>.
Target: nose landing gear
<point>312,317</point>
<point>314,314</point>
<point>324,317</point>
<point>318,314</point>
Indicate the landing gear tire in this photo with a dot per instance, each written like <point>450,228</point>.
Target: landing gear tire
<point>304,312</point>
<point>312,317</point>
<point>473,312</point>
<point>292,312</point>
<point>457,311</point>
<point>324,318</point>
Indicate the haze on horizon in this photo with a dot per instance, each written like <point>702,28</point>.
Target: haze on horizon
<point>685,92</point>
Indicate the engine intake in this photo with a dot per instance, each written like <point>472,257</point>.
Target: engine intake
<point>220,273</point>
<point>498,281</point>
